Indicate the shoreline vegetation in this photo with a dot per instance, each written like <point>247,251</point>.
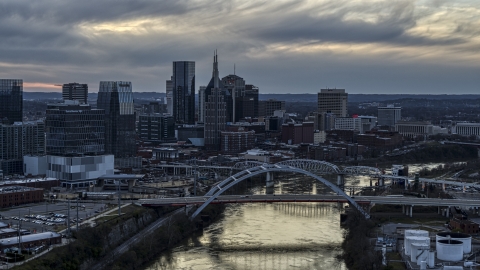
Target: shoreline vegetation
<point>358,253</point>
<point>91,245</point>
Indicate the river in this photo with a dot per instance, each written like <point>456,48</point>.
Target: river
<point>269,236</point>
<point>265,236</point>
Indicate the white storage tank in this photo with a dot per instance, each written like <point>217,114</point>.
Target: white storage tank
<point>450,250</point>
<point>464,238</point>
<point>415,239</point>
<point>431,259</point>
<point>416,233</point>
<point>416,249</point>
<point>421,251</point>
<point>408,233</point>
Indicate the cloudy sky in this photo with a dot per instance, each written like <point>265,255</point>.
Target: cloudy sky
<point>371,46</point>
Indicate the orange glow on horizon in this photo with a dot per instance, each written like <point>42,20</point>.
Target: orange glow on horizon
<point>40,87</point>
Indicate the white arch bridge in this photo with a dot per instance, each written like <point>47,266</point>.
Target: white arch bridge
<point>231,181</point>
<point>315,166</point>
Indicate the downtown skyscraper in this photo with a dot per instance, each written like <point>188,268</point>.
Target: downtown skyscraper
<point>11,101</point>
<point>215,110</point>
<point>75,91</point>
<point>183,84</point>
<point>116,98</point>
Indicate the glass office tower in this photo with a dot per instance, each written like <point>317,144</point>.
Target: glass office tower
<point>184,92</point>
<point>11,101</point>
<point>116,98</point>
<point>75,91</point>
<point>74,129</point>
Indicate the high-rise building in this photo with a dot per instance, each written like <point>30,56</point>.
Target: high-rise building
<point>116,98</point>
<point>156,128</point>
<point>11,101</point>
<point>234,89</point>
<point>248,103</point>
<point>183,83</point>
<point>333,101</point>
<point>268,107</point>
<point>153,107</point>
<point>18,140</point>
<point>76,144</point>
<point>201,104</point>
<point>169,96</point>
<point>75,91</point>
<point>215,111</point>
<point>74,129</point>
<point>389,116</point>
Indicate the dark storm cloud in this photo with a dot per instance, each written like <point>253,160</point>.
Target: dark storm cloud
<point>68,12</point>
<point>48,41</point>
<point>304,25</point>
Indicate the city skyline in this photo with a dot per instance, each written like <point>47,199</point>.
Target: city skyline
<point>369,47</point>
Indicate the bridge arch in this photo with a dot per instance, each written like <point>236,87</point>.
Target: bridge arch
<point>240,166</point>
<point>317,166</point>
<point>245,174</point>
<point>361,170</point>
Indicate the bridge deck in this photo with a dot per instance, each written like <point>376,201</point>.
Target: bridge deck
<point>309,198</point>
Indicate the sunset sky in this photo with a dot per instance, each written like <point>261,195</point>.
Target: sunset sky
<point>371,46</point>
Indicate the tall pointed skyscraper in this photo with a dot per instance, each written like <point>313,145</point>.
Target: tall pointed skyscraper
<point>116,98</point>
<point>215,110</point>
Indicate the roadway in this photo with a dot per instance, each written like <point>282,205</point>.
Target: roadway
<point>182,201</point>
<point>430,180</point>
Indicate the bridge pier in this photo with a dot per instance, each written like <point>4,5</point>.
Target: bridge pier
<point>403,209</point>
<point>411,210</point>
<point>269,184</point>
<point>443,187</point>
<point>381,182</point>
<point>341,180</point>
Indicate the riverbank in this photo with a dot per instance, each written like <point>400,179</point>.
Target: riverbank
<point>358,253</point>
<point>177,228</point>
<point>97,247</point>
<point>90,245</point>
<point>432,152</point>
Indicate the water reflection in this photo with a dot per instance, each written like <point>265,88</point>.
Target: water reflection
<point>264,236</point>
<point>271,236</point>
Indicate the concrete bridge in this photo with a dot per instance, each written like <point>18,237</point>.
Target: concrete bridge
<point>366,202</point>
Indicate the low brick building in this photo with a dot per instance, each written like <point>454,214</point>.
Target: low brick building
<point>464,225</point>
<point>17,195</point>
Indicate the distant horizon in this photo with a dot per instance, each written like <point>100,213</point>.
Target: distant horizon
<point>388,94</point>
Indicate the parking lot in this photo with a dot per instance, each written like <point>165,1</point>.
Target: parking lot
<point>49,216</point>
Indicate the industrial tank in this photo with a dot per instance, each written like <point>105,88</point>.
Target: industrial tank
<point>431,259</point>
<point>416,233</point>
<point>450,250</point>
<point>464,238</point>
<point>417,249</point>
<point>414,239</point>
